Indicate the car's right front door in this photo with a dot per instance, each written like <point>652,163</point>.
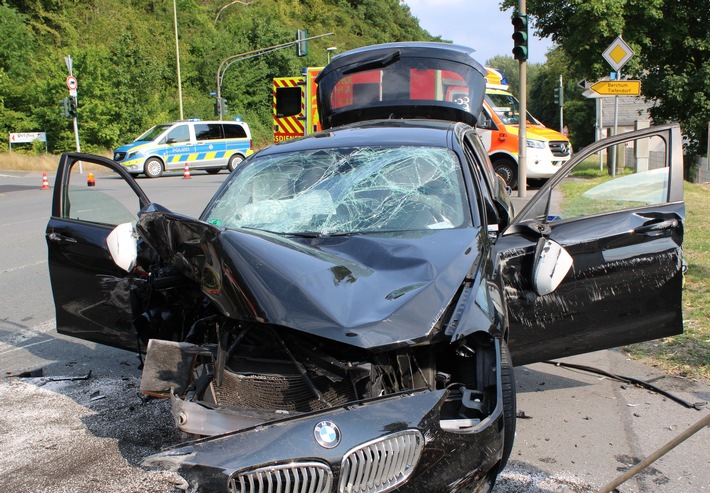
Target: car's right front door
<point>595,261</point>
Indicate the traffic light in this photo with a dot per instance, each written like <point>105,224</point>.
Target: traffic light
<point>301,46</point>
<point>73,113</point>
<point>220,107</point>
<point>520,36</point>
<point>64,105</point>
<point>559,96</point>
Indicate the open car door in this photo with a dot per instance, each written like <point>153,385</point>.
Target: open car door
<point>595,261</point>
<point>86,280</point>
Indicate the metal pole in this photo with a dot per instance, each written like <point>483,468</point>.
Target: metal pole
<point>177,57</point>
<point>225,64</point>
<point>616,129</point>
<point>562,102</point>
<point>522,131</point>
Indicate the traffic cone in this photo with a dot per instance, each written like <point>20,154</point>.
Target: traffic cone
<point>90,181</point>
<point>45,182</point>
<point>186,174</point>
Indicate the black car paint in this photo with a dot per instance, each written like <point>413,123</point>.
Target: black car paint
<point>442,303</point>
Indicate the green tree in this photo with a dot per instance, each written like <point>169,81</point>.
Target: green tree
<point>671,40</point>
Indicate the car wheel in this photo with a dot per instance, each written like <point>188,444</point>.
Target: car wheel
<point>234,161</point>
<point>507,377</point>
<point>213,171</point>
<point>153,168</point>
<point>508,170</point>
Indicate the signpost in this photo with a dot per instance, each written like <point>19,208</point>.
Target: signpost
<point>617,87</point>
<point>617,54</point>
<point>28,137</point>
<point>72,86</point>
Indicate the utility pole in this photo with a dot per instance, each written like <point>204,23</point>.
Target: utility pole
<point>562,104</point>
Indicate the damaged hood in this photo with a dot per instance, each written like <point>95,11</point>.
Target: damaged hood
<point>370,291</point>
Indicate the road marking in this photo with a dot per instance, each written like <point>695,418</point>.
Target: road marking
<point>26,346</point>
<point>39,262</point>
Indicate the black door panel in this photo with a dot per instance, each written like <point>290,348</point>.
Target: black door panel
<point>625,237</point>
<point>92,295</point>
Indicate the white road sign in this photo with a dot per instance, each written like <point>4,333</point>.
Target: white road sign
<point>618,53</point>
<point>71,83</point>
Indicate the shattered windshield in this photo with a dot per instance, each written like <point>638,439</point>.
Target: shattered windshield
<point>346,190</point>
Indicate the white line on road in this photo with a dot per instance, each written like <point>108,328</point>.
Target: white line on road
<point>39,262</point>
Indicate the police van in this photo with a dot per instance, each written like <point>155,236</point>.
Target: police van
<point>208,145</point>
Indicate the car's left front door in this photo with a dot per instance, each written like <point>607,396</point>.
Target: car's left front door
<point>92,295</point>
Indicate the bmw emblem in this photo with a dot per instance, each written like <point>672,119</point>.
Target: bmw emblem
<point>327,434</point>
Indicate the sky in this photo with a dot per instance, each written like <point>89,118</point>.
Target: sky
<point>479,24</point>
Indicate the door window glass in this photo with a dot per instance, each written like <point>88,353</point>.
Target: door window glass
<point>208,131</point>
<point>234,131</point>
<point>181,133</point>
<point>98,194</point>
<point>641,179</point>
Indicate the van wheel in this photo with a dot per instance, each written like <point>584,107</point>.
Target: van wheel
<point>234,161</point>
<point>212,171</point>
<point>508,170</point>
<point>153,168</point>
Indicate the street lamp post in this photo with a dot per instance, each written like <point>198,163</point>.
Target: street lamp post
<point>177,56</point>
<point>231,3</point>
<point>330,50</point>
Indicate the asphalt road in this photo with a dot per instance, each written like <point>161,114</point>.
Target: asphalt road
<point>576,431</point>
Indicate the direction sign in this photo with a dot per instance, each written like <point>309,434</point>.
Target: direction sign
<point>618,53</point>
<point>617,87</point>
<point>71,83</point>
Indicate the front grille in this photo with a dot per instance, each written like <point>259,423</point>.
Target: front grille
<point>119,156</point>
<point>381,465</point>
<point>560,148</point>
<point>297,477</point>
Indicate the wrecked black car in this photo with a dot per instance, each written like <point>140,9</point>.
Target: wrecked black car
<point>344,314</point>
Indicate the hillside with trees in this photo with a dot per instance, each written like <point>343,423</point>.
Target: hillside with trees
<point>124,59</point>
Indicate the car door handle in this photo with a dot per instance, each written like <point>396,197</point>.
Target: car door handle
<point>57,238</point>
<point>656,228</point>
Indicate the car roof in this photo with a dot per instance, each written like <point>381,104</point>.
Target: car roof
<point>434,133</point>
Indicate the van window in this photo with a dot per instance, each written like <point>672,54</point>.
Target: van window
<point>288,101</point>
<point>234,131</point>
<point>181,133</point>
<point>208,131</point>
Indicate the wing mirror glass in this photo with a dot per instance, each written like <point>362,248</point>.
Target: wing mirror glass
<point>552,263</point>
<point>122,244</point>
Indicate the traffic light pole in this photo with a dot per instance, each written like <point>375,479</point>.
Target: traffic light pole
<point>227,62</point>
<point>522,130</point>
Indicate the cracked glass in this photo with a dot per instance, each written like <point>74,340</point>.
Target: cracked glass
<point>346,190</point>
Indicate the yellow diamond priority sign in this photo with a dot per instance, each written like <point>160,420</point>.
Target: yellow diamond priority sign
<point>618,53</point>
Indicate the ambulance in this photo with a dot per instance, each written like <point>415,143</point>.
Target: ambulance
<point>208,145</point>
<point>547,150</point>
<point>295,105</point>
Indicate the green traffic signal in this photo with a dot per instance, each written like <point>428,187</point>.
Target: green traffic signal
<point>520,36</point>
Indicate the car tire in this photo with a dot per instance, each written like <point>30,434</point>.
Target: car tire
<point>234,161</point>
<point>153,168</point>
<point>213,171</point>
<point>508,170</point>
<point>507,377</point>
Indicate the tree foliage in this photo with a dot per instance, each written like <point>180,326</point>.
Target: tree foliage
<point>671,41</point>
<point>124,59</point>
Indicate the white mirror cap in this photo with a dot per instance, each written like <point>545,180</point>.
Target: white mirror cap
<point>551,266</point>
<point>122,243</point>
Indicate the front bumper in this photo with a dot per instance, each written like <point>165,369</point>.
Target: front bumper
<point>378,445</point>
